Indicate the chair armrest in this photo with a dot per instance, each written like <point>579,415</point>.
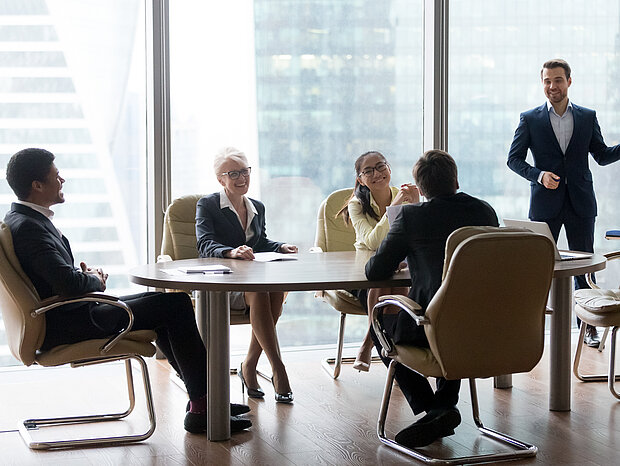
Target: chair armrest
<point>610,256</point>
<point>403,302</point>
<point>56,301</point>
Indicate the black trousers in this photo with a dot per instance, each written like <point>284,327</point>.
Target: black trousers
<point>415,387</point>
<point>170,315</point>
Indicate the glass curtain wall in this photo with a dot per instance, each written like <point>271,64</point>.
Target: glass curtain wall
<point>72,80</point>
<point>496,52</point>
<point>303,88</point>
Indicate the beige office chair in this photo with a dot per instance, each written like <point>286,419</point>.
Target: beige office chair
<point>179,242</point>
<point>600,308</point>
<point>332,234</point>
<point>24,321</point>
<point>486,319</point>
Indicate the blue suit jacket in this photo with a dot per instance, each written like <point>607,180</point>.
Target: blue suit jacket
<point>218,230</point>
<point>536,133</point>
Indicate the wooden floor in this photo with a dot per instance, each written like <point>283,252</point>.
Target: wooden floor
<point>330,422</point>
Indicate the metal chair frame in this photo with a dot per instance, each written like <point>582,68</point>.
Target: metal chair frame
<point>27,426</point>
<point>520,449</point>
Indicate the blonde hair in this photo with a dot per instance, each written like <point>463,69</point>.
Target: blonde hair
<point>224,155</point>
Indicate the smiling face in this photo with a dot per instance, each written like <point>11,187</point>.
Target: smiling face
<point>555,84</point>
<point>49,191</point>
<point>369,173</point>
<point>237,187</point>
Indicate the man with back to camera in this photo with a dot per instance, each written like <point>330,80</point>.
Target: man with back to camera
<point>560,135</point>
<point>45,256</point>
<point>419,234</point>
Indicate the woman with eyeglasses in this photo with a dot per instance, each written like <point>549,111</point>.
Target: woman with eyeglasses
<point>231,225</point>
<point>366,211</point>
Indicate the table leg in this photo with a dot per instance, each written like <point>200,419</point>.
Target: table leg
<point>214,317</point>
<point>559,363</point>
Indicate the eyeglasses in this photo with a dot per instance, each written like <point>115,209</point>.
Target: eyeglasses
<point>234,174</point>
<point>380,167</point>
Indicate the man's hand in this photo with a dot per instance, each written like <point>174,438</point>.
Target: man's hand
<point>242,252</point>
<point>407,193</point>
<point>550,180</point>
<point>288,249</point>
<point>96,272</point>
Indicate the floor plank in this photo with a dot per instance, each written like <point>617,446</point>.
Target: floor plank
<point>330,422</point>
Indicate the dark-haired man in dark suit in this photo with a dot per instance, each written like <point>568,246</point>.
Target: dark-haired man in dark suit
<point>560,136</point>
<point>419,235</point>
<point>45,256</point>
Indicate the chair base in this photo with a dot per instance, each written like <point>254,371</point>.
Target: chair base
<point>27,426</point>
<point>520,449</point>
<point>611,376</point>
<point>333,365</point>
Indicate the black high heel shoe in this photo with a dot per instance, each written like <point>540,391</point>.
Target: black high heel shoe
<point>252,392</point>
<point>282,397</point>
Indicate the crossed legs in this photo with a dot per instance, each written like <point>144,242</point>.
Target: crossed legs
<point>265,310</point>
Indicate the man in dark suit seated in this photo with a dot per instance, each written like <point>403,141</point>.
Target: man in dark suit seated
<point>45,256</point>
<point>419,235</point>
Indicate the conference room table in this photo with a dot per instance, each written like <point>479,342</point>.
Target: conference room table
<point>310,272</point>
<point>328,271</point>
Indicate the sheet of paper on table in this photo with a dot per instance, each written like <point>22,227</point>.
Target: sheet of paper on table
<point>273,256</point>
<point>211,268</point>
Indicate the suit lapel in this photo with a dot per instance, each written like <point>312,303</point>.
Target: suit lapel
<point>235,226</point>
<point>546,122</point>
<point>47,224</point>
<point>576,126</point>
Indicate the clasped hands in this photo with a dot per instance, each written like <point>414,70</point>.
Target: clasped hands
<point>408,193</point>
<point>245,252</point>
<point>96,272</point>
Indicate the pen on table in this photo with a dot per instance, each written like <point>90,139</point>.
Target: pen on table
<point>217,272</point>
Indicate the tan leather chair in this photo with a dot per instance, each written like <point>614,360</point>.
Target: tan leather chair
<point>486,319</point>
<point>24,321</point>
<point>600,308</point>
<point>332,234</point>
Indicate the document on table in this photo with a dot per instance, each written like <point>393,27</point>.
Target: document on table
<point>273,256</point>
<point>206,269</point>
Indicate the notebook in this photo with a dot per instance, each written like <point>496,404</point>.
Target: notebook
<point>543,229</point>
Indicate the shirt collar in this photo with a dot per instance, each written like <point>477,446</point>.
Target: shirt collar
<point>225,202</point>
<point>569,108</point>
<point>42,210</point>
<point>374,204</point>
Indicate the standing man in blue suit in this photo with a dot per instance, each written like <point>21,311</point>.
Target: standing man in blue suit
<point>560,135</point>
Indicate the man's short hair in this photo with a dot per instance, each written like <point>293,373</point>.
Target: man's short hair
<point>435,173</point>
<point>556,63</point>
<point>26,166</point>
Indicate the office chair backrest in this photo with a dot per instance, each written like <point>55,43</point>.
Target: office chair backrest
<point>487,318</point>
<point>332,234</point>
<point>18,297</point>
<point>179,240</point>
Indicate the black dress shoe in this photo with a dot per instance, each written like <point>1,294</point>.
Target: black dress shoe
<point>235,409</point>
<point>252,392</point>
<point>592,339</point>
<point>436,424</point>
<point>197,423</point>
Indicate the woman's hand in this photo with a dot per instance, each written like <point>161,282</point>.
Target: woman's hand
<point>407,193</point>
<point>288,249</point>
<point>242,252</point>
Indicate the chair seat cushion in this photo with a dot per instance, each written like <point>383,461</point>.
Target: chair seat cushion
<point>137,342</point>
<point>420,360</point>
<point>342,301</point>
<point>598,301</point>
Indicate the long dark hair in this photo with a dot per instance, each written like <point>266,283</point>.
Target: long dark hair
<point>361,192</point>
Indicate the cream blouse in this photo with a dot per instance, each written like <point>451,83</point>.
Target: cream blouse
<point>368,232</point>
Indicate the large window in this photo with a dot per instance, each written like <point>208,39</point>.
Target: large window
<point>72,80</point>
<point>303,87</point>
<point>496,53</point>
